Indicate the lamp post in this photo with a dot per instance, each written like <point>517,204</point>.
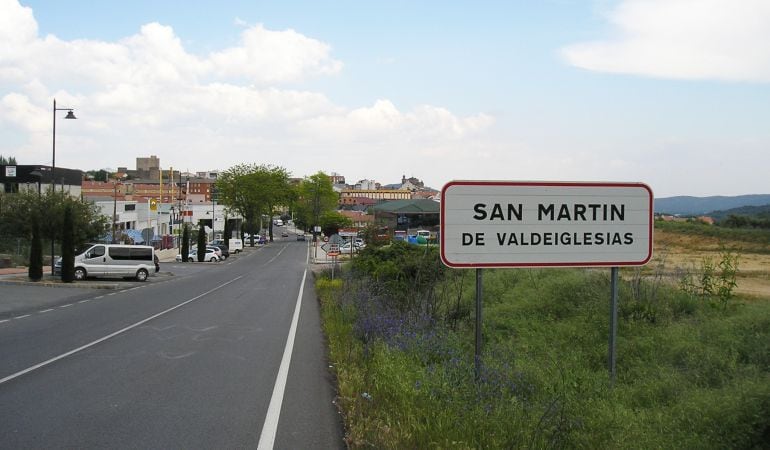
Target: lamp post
<point>70,115</point>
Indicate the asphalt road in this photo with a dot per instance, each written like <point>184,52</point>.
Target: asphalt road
<point>202,359</point>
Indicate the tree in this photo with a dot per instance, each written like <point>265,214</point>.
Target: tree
<point>36,251</point>
<point>68,247</point>
<point>228,231</point>
<point>16,209</point>
<point>99,175</point>
<point>314,196</point>
<point>10,161</point>
<point>201,241</point>
<point>185,242</point>
<point>252,191</point>
<point>332,221</point>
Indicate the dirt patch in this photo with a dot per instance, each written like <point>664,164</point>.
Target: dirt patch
<point>678,252</point>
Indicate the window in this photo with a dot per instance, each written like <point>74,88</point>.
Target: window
<point>96,252</point>
<point>120,253</point>
<point>141,254</point>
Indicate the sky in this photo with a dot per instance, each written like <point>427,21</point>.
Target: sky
<point>671,93</point>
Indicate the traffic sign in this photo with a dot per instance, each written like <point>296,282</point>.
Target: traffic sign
<point>541,224</point>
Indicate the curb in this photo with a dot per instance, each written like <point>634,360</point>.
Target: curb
<point>25,281</point>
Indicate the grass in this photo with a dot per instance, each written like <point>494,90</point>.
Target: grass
<point>690,375</point>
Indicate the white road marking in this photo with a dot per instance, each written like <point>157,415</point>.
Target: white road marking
<point>270,427</point>
<point>45,311</point>
<point>5,320</point>
<point>85,301</point>
<point>21,317</point>
<point>65,306</point>
<point>97,298</point>
<point>276,256</point>
<point>111,293</point>
<point>112,335</point>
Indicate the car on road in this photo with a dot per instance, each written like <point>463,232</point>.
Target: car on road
<point>300,237</point>
<point>284,234</point>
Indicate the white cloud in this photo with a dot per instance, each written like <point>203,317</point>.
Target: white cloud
<point>266,56</point>
<point>683,39</point>
<point>146,94</point>
<point>383,122</point>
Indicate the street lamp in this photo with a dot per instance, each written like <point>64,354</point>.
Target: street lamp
<point>70,115</point>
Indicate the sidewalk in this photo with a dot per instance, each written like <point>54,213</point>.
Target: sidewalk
<point>20,270</point>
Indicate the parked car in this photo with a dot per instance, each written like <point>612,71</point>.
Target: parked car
<point>236,245</point>
<point>224,250</point>
<point>209,256</point>
<point>113,260</point>
<point>359,245</point>
<point>300,237</point>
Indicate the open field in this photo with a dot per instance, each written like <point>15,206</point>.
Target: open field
<point>677,251</point>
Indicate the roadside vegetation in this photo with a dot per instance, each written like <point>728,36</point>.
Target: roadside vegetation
<point>27,213</point>
<point>693,362</point>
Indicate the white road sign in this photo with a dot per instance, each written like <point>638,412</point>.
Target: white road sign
<point>541,224</point>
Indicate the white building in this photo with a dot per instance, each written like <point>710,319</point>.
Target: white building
<point>167,220</point>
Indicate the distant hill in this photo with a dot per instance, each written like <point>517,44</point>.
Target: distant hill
<point>692,206</point>
<point>757,212</point>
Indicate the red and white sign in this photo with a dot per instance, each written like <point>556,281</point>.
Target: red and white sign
<point>348,232</point>
<point>545,224</point>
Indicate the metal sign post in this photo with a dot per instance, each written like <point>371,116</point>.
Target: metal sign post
<point>613,323</point>
<point>479,294</point>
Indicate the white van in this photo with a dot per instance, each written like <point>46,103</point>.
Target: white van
<point>235,245</point>
<point>112,260</point>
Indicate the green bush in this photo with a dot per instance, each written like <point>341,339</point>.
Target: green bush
<point>68,247</point>
<point>201,241</point>
<point>36,251</point>
<point>185,242</point>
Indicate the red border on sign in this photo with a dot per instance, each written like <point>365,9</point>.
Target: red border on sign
<point>544,184</point>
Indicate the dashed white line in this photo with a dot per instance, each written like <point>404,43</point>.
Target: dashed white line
<point>112,335</point>
<point>97,298</point>
<point>21,317</point>
<point>111,293</point>
<point>85,301</point>
<point>5,320</point>
<point>45,311</point>
<point>65,306</point>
